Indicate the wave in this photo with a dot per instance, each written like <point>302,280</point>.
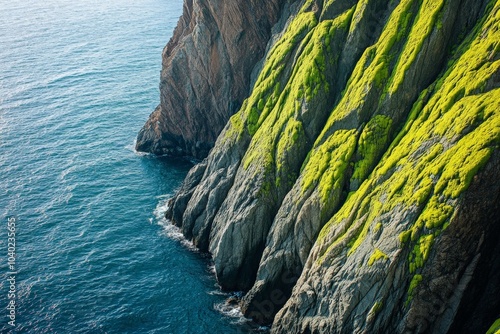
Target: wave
<point>230,308</point>
<point>169,229</point>
<point>131,147</point>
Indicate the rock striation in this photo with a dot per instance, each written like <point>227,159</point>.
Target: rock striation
<point>206,73</point>
<point>357,188</point>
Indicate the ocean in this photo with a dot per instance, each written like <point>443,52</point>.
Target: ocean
<point>84,247</point>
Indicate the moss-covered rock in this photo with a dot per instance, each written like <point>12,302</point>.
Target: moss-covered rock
<point>495,328</point>
<point>408,203</point>
<point>336,195</point>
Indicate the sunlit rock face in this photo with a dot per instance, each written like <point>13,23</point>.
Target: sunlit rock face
<point>206,73</point>
<point>356,189</point>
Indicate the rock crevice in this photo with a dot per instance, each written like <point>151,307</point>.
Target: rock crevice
<point>206,73</point>
<point>350,191</point>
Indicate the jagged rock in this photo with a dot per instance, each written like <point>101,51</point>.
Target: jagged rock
<point>402,256</point>
<point>206,73</point>
<point>346,192</point>
<point>176,208</point>
<point>303,214</point>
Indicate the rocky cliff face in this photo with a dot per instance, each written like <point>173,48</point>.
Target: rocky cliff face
<point>206,73</point>
<point>357,189</point>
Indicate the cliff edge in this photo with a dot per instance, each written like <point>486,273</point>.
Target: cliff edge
<point>357,188</point>
<point>206,73</point>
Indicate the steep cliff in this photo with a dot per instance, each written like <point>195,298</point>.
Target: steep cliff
<point>206,73</point>
<point>357,189</point>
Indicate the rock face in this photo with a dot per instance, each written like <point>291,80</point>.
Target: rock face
<point>206,73</point>
<point>357,189</point>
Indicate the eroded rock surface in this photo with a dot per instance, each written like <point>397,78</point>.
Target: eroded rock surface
<point>206,73</point>
<point>350,192</point>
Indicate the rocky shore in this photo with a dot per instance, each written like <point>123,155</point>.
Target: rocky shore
<point>351,179</point>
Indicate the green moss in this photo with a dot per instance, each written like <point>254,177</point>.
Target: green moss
<point>265,190</point>
<point>435,214</point>
<point>420,30</point>
<point>468,161</point>
<point>261,104</point>
<point>306,82</point>
<point>371,145</point>
<point>288,139</point>
<point>404,237</point>
<point>376,308</point>
<point>372,207</point>
<point>267,90</point>
<point>451,131</point>
<point>495,328</point>
<point>274,121</point>
<point>376,256</point>
<point>325,167</point>
<point>236,127</point>
<point>252,120</point>
<point>267,96</point>
<point>346,212</point>
<point>397,25</point>
<point>358,13</point>
<point>413,285</point>
<point>292,37</point>
<point>414,113</point>
<point>372,70</point>
<point>420,252</point>
<point>439,22</point>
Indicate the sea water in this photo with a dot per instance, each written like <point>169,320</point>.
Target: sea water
<point>92,252</point>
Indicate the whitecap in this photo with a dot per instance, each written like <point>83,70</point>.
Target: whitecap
<point>164,196</point>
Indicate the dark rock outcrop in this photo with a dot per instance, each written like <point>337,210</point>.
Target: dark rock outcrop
<point>206,73</point>
<point>350,192</point>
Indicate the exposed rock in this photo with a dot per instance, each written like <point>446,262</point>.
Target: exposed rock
<point>349,191</point>
<point>303,214</point>
<point>404,250</point>
<point>176,208</point>
<point>206,73</point>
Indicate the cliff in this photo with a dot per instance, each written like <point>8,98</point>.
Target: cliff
<point>357,187</point>
<point>206,73</point>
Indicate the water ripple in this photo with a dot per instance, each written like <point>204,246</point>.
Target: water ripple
<point>95,254</point>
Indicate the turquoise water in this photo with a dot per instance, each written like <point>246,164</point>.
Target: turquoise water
<point>93,254</point>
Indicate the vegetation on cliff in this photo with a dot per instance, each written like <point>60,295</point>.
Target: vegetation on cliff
<point>357,189</point>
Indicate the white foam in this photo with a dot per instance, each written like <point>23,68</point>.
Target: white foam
<point>226,308</point>
<point>169,229</point>
<point>232,311</point>
<point>131,147</point>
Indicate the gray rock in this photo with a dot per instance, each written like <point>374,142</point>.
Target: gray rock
<point>281,204</point>
<point>205,74</point>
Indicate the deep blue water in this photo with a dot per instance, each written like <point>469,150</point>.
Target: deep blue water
<point>93,255</point>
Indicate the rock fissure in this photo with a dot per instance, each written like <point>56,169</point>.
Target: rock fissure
<point>340,197</point>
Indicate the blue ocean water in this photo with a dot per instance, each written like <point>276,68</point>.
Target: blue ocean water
<point>93,253</point>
